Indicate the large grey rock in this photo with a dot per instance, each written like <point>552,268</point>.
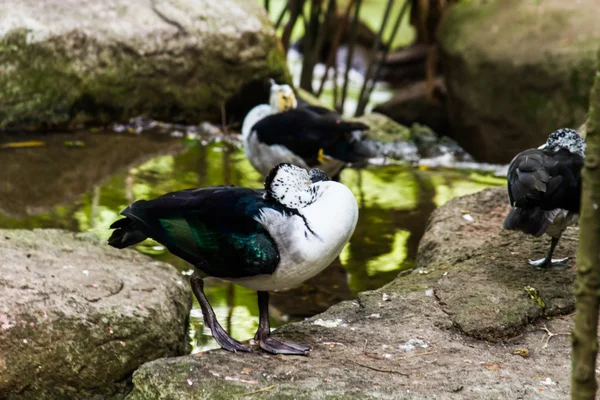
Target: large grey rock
<point>516,70</point>
<point>418,337</point>
<point>77,317</point>
<point>63,62</point>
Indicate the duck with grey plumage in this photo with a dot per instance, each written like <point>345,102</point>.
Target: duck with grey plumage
<point>544,189</point>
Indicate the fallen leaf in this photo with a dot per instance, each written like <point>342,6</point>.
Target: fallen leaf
<point>492,366</point>
<point>17,145</point>
<point>246,371</point>
<point>521,352</point>
<point>443,267</point>
<point>74,143</point>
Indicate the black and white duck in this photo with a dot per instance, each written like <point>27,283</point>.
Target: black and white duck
<point>307,136</point>
<point>262,239</point>
<point>544,189</point>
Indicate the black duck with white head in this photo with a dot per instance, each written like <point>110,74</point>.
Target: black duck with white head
<point>307,136</point>
<point>544,189</point>
<point>262,239</point>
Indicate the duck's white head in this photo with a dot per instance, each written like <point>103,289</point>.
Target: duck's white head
<point>567,139</point>
<point>293,186</point>
<point>282,98</point>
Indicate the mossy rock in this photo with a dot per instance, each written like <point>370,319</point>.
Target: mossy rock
<point>516,70</point>
<point>77,317</point>
<point>73,62</point>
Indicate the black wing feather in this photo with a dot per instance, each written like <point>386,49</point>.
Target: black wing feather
<point>539,178</point>
<point>212,228</point>
<point>307,130</point>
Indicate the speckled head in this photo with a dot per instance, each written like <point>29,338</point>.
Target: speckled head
<point>567,139</point>
<point>290,186</point>
<point>282,98</point>
<point>316,175</point>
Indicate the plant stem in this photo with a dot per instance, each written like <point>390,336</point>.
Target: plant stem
<point>311,38</point>
<point>386,50</point>
<point>295,9</point>
<point>587,289</point>
<point>351,40</point>
<point>362,101</point>
<point>332,57</point>
<point>281,15</point>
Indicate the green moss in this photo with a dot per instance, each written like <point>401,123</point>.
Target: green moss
<point>68,80</point>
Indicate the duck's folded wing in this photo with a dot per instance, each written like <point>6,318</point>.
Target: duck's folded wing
<point>212,228</point>
<point>548,181</point>
<point>305,132</point>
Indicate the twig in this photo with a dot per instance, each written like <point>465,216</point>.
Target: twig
<point>224,119</point>
<point>389,371</point>
<point>550,336</point>
<point>258,391</point>
<point>417,355</point>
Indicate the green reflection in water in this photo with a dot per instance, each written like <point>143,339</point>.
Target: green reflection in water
<point>389,262</point>
<point>395,203</point>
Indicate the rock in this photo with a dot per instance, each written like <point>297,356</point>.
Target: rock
<point>412,104</point>
<point>460,326</point>
<point>77,317</point>
<point>432,146</point>
<point>516,70</point>
<point>387,138</point>
<point>72,62</point>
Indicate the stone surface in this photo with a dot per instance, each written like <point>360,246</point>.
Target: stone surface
<point>419,337</point>
<point>413,104</point>
<point>516,70</point>
<point>77,317</point>
<point>75,61</point>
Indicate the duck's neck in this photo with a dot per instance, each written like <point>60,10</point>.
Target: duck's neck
<point>256,114</point>
<point>334,213</point>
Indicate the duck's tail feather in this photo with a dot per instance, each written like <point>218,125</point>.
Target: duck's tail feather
<point>126,234</point>
<point>533,221</point>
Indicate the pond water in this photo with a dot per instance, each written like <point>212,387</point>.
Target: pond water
<point>80,182</point>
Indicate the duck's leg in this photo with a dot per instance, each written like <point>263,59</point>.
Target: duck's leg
<point>210,319</point>
<point>263,334</point>
<point>548,260</point>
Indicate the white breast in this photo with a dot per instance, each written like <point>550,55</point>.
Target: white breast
<point>332,219</point>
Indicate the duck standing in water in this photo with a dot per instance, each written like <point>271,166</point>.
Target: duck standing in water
<point>544,189</point>
<point>308,136</point>
<point>262,239</point>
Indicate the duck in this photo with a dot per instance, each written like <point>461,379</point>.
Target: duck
<point>544,189</point>
<point>263,239</point>
<point>307,136</point>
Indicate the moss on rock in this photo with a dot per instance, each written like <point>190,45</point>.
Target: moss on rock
<point>516,70</point>
<point>76,62</point>
<point>78,317</point>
